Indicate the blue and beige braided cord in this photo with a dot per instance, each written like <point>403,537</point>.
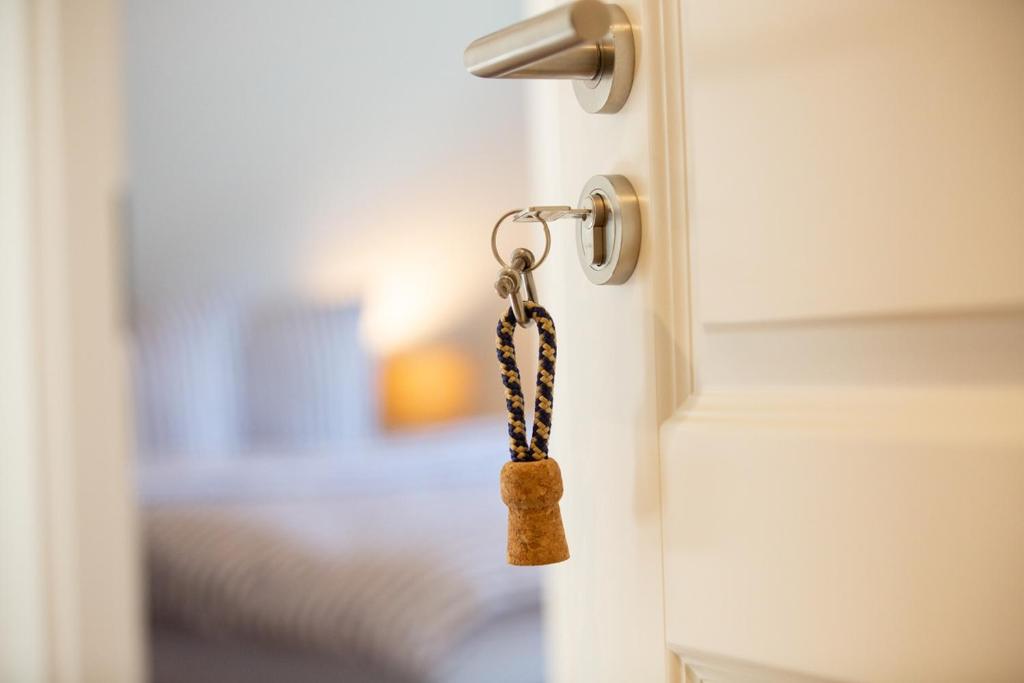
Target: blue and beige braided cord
<point>537,449</point>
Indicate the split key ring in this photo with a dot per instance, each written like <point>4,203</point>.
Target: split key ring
<point>494,241</point>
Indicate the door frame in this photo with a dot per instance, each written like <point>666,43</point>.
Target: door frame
<point>70,578</point>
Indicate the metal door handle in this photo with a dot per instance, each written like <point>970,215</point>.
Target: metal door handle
<point>586,41</point>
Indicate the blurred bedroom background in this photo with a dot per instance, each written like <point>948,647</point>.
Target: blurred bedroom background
<point>318,415</point>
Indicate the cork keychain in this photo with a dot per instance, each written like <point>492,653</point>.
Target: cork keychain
<point>531,482</point>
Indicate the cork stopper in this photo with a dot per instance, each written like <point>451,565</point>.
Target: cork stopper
<point>531,490</point>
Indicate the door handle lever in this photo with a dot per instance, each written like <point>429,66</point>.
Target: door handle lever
<point>586,41</point>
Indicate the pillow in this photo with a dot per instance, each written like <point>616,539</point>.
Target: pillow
<point>306,379</point>
<point>185,381</point>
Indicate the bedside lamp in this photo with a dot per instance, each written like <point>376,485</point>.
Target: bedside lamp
<point>426,385</point>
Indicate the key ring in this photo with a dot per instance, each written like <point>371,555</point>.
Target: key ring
<point>494,240</point>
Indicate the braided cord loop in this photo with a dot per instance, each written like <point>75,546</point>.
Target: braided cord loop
<point>537,449</point>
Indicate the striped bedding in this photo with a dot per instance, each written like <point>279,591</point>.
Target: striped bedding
<point>398,577</point>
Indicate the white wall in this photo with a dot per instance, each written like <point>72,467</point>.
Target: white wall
<point>319,147</point>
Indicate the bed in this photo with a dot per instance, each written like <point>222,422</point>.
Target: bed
<point>386,566</point>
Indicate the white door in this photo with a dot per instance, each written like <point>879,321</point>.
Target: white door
<point>793,442</point>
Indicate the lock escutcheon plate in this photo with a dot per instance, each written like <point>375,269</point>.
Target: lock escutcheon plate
<point>608,253</point>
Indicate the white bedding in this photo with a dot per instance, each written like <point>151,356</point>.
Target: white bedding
<point>400,574</point>
<point>468,454</point>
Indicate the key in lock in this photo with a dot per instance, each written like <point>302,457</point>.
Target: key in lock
<point>593,215</point>
<point>595,248</point>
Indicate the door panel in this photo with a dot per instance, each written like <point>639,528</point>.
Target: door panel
<point>861,535</point>
<point>855,157</point>
<point>843,490</point>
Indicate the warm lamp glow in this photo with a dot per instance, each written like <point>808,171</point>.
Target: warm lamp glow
<point>412,293</point>
<point>418,267</point>
<point>426,386</point>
